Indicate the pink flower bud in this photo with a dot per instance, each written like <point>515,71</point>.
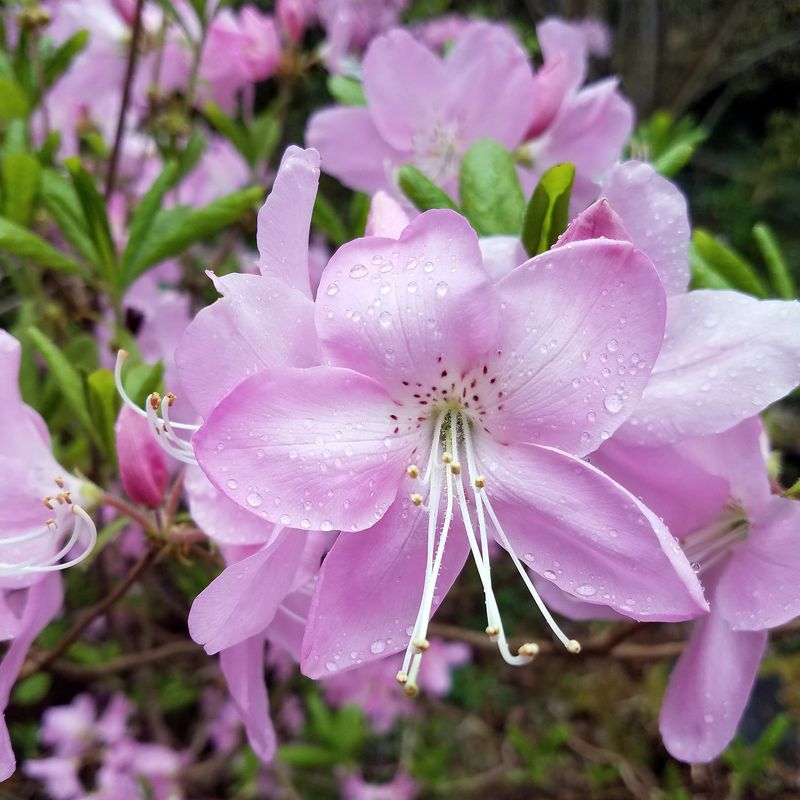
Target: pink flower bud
<point>142,465</point>
<point>294,16</point>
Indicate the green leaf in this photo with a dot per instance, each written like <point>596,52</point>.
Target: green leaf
<point>33,689</point>
<point>728,264</point>
<point>547,214</point>
<point>491,195</point>
<point>58,63</point>
<point>674,159</point>
<point>103,407</point>
<point>141,380</point>
<point>704,276</point>
<point>326,218</point>
<point>307,755</point>
<point>21,242</point>
<point>422,191</point>
<point>21,172</point>
<point>142,223</point>
<point>58,196</point>
<point>13,100</point>
<point>347,91</point>
<point>778,269</point>
<point>67,378</point>
<point>264,133</point>
<point>191,155</point>
<point>195,225</point>
<point>232,130</point>
<point>96,216</point>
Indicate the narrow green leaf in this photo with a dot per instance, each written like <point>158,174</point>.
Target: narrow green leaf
<point>547,214</point>
<point>347,91</point>
<point>491,195</point>
<point>141,380</point>
<point>265,133</point>
<point>307,755</point>
<point>778,269</point>
<point>96,216</point>
<point>21,172</point>
<point>326,218</point>
<point>32,690</point>
<point>673,159</point>
<point>58,196</point>
<point>422,191</point>
<point>21,242</point>
<point>194,226</point>
<point>103,407</point>
<point>704,276</point>
<point>13,100</point>
<point>58,63</point>
<point>234,132</point>
<point>191,155</point>
<point>142,222</point>
<point>67,377</point>
<point>727,263</point>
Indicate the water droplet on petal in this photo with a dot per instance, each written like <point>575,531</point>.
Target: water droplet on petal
<point>378,646</point>
<point>232,484</point>
<point>333,289</point>
<point>613,403</point>
<point>586,590</point>
<point>254,500</point>
<point>358,271</point>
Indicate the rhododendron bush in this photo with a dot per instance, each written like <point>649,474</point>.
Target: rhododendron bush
<point>380,420</point>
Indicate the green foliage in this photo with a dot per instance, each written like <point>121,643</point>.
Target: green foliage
<point>21,173</point>
<point>540,756</point>
<point>32,690</point>
<point>21,242</point>
<point>327,219</point>
<point>58,61</point>
<point>748,763</point>
<point>667,143</point>
<point>547,213</point>
<point>422,191</point>
<point>13,100</point>
<point>347,91</point>
<point>723,262</point>
<point>104,405</point>
<point>777,268</point>
<point>491,195</point>
<point>255,141</point>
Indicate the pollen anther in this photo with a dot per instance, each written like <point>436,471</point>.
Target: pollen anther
<point>447,458</point>
<point>421,644</point>
<point>480,482</point>
<point>492,631</point>
<point>528,649</point>
<point>573,646</point>
<point>401,677</point>
<point>417,499</point>
<point>455,468</point>
<point>412,471</point>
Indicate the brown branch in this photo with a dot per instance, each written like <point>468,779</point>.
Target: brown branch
<point>40,661</point>
<point>130,71</point>
<point>128,510</point>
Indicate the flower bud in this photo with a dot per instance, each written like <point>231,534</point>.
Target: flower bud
<point>142,464</point>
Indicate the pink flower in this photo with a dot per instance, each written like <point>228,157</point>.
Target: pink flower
<point>421,367</point>
<point>426,110</point>
<point>142,466</point>
<point>401,787</point>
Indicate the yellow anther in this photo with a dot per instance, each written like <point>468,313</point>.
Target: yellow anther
<point>401,677</point>
<point>528,649</point>
<point>413,471</point>
<point>410,690</point>
<point>455,468</point>
<point>51,523</point>
<point>574,646</point>
<point>492,631</point>
<point>480,482</point>
<point>60,482</point>
<point>416,499</point>
<point>421,644</point>
<point>48,501</point>
<point>447,458</point>
<point>155,399</point>
<point>171,399</point>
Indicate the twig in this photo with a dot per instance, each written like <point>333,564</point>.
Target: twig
<point>40,661</point>
<point>128,510</point>
<point>126,98</point>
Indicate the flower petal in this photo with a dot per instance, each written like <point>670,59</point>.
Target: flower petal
<point>654,213</point>
<point>759,586</point>
<point>243,667</point>
<point>597,221</point>
<point>386,217</point>
<point>501,255</point>
<point>284,220</point>
<point>708,689</point>
<point>726,356</point>
<point>405,84</point>
<point>370,588</point>
<point>242,601</point>
<point>352,149</point>
<point>588,535</point>
<point>311,448</point>
<point>575,359</point>
<point>257,324</point>
<point>572,606</point>
<point>404,310</point>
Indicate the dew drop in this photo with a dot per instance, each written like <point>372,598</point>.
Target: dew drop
<point>358,271</point>
<point>549,574</point>
<point>232,484</point>
<point>586,590</point>
<point>378,646</point>
<point>613,403</point>
<point>441,289</point>
<point>385,319</point>
<point>254,500</point>
<point>333,289</point>
<point>612,345</point>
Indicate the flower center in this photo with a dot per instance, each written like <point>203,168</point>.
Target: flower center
<point>438,151</point>
<point>708,546</point>
<point>444,474</point>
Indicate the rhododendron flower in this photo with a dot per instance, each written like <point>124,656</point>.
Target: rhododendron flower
<point>142,466</point>
<point>426,110</point>
<point>401,787</point>
<point>428,364</point>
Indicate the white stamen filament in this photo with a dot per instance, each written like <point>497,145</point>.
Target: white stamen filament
<point>444,457</point>
<point>83,530</point>
<point>709,545</point>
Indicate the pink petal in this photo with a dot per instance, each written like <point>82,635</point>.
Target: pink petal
<point>654,213</point>
<point>668,481</point>
<point>284,220</point>
<point>242,601</point>
<point>309,448</point>
<point>708,689</point>
<point>726,356</point>
<point>501,255</point>
<point>287,628</point>
<point>406,310</point>
<point>386,217</point>
<point>8,761</point>
<point>759,586</point>
<point>575,360</point>
<point>219,517</point>
<point>9,621</point>
<point>572,606</point>
<point>405,85</point>
<point>243,667</point>
<point>597,221</point>
<point>590,130</point>
<point>259,323</point>
<point>142,464</point>
<point>485,57</point>
<point>370,588</point>
<point>352,150</point>
<point>588,535</point>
